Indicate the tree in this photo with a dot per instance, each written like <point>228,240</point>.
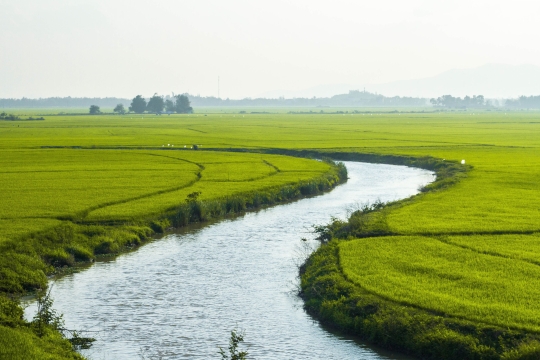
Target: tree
<point>182,105</point>
<point>169,105</point>
<point>155,104</point>
<point>138,104</point>
<point>120,109</point>
<point>94,110</point>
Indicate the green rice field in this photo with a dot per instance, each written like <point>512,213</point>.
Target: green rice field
<point>467,251</point>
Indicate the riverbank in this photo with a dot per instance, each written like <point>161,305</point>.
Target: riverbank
<point>340,304</point>
<point>72,243</point>
<point>198,283</point>
<point>359,283</point>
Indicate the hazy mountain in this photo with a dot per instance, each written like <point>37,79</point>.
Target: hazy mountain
<point>320,91</point>
<point>490,80</point>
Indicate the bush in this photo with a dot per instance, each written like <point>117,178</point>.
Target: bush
<point>159,226</point>
<point>106,246</point>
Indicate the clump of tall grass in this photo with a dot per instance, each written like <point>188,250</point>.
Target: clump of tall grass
<point>366,220</point>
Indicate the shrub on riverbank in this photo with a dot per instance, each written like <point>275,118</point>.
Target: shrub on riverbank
<point>20,341</point>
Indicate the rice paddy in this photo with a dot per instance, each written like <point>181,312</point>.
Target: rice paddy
<point>451,280</point>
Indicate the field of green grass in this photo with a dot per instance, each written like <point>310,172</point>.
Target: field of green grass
<point>61,205</point>
<point>56,184</point>
<point>440,276</point>
<point>65,200</point>
<point>468,251</point>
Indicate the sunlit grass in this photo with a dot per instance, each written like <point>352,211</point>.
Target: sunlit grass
<point>437,276</point>
<point>41,186</point>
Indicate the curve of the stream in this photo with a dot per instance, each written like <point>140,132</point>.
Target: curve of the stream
<point>179,297</point>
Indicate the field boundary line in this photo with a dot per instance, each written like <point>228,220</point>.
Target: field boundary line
<point>415,306</point>
<point>486,252</point>
<point>84,213</point>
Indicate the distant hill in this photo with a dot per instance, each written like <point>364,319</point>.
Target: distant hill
<point>320,91</point>
<point>491,80</point>
<point>353,98</point>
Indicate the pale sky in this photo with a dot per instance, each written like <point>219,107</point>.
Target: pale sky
<point>124,48</point>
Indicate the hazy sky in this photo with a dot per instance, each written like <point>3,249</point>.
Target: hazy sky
<point>123,48</point>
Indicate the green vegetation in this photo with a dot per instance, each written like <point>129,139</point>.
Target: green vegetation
<point>234,342</point>
<point>343,304</point>
<point>94,110</point>
<point>426,273</point>
<point>156,104</point>
<point>450,271</point>
<point>39,339</point>
<point>63,205</point>
<point>443,267</point>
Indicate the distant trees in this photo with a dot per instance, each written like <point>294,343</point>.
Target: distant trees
<point>156,104</point>
<point>476,101</point>
<point>169,106</point>
<point>138,104</point>
<point>182,105</point>
<point>94,110</point>
<point>120,109</point>
<point>524,102</point>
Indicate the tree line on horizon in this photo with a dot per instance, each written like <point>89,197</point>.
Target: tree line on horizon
<point>448,101</point>
<point>156,104</point>
<point>478,101</point>
<point>353,99</point>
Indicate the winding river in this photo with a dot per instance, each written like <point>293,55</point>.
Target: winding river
<point>179,297</point>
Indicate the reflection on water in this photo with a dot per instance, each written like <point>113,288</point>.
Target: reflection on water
<point>179,297</point>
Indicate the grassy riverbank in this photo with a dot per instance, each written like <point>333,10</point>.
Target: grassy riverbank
<point>448,274</point>
<point>473,238</point>
<point>64,205</point>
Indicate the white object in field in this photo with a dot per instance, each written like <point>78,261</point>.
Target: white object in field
<point>462,162</point>
<point>184,146</point>
<point>172,145</point>
<point>168,144</point>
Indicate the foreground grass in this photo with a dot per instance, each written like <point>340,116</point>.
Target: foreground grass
<point>19,339</point>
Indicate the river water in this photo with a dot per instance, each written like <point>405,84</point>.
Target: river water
<point>179,297</point>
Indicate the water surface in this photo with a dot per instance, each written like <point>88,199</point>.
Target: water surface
<point>180,296</point>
